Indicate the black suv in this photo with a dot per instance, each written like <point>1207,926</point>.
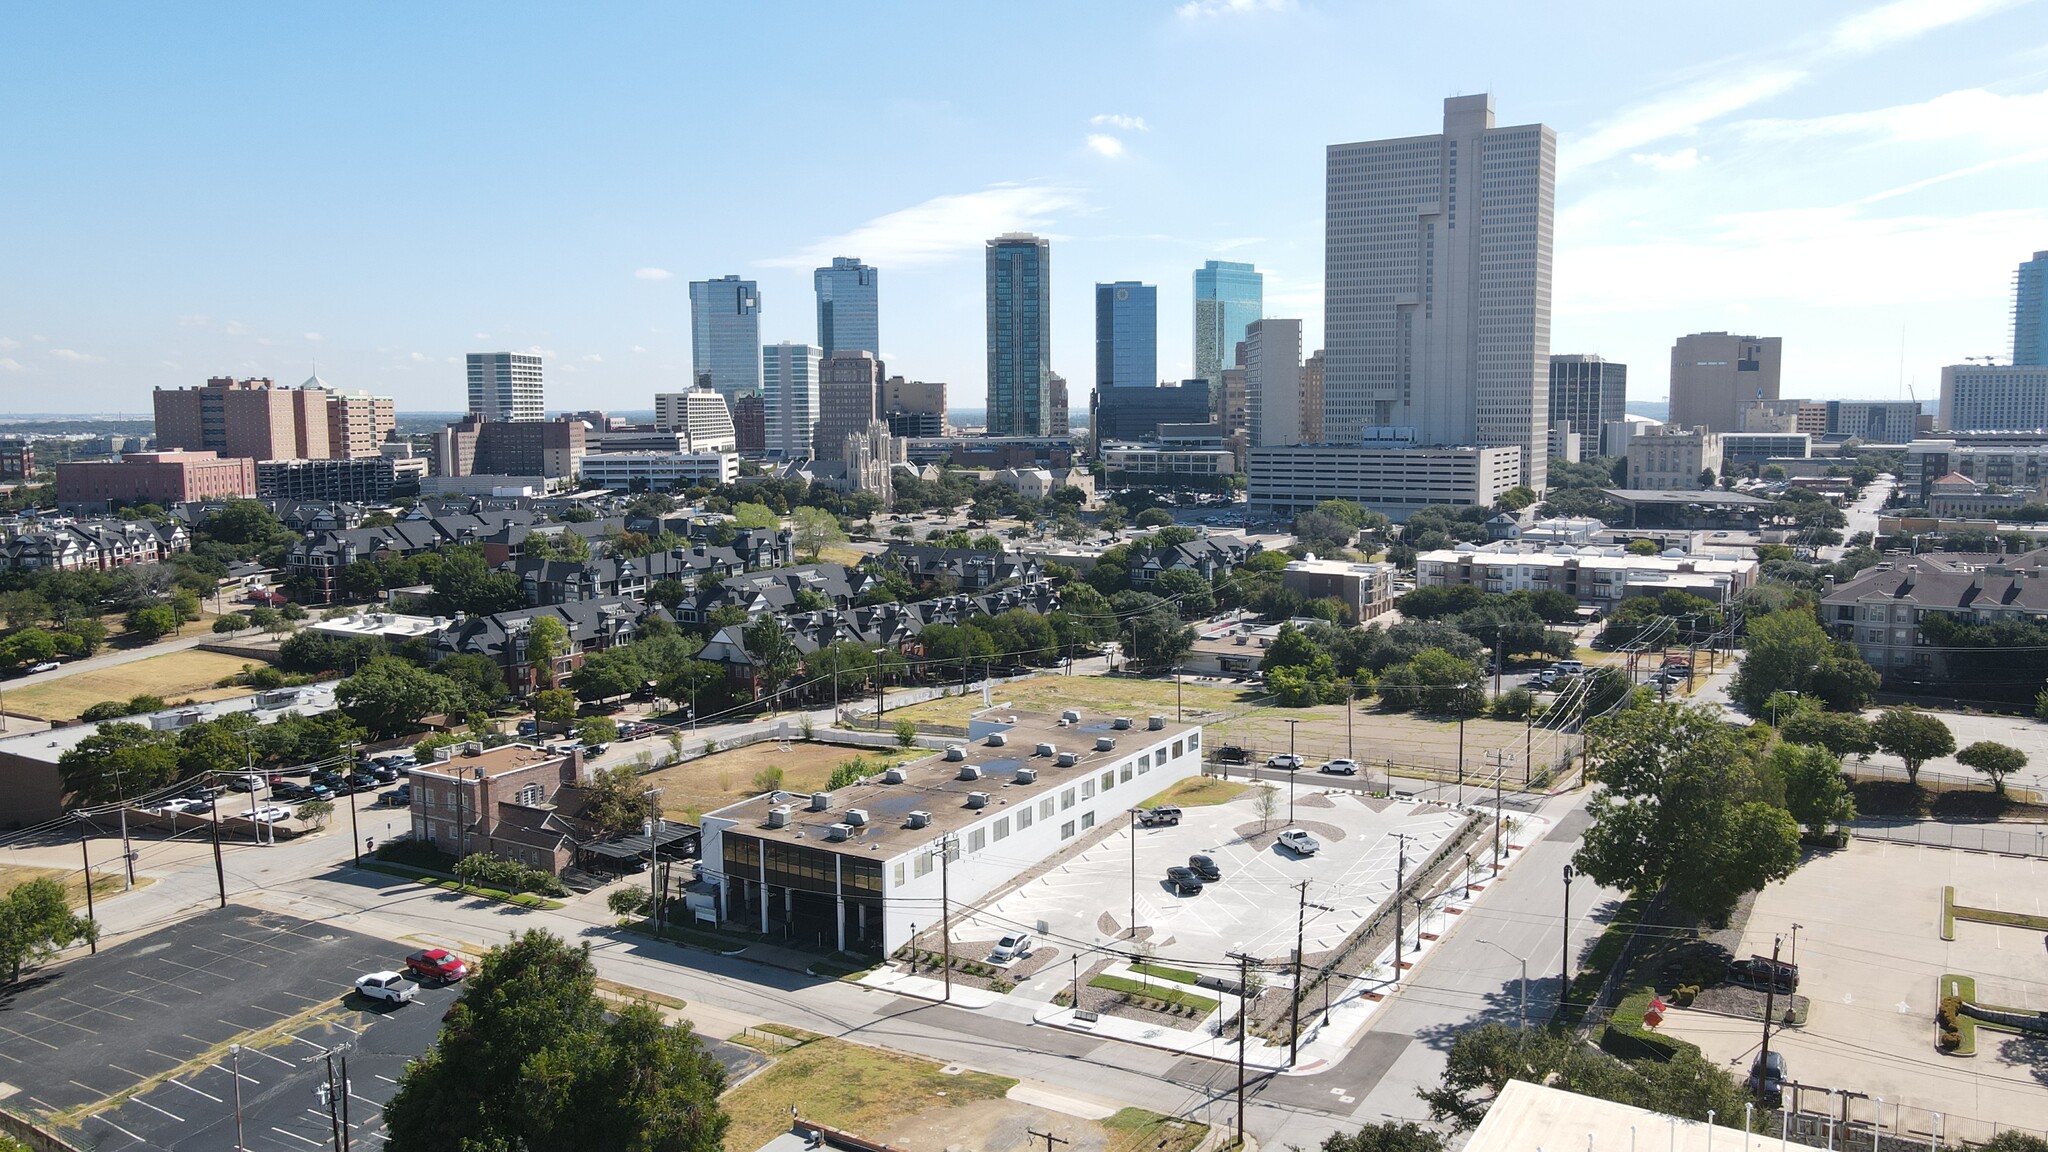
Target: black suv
<point>1184,881</point>
<point>1205,868</point>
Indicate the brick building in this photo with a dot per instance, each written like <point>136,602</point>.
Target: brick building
<point>750,423</point>
<point>252,418</point>
<point>166,478</point>
<point>516,801</point>
<point>17,459</point>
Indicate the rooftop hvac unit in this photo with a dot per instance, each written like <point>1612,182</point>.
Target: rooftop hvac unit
<point>838,831</point>
<point>1071,716</point>
<point>977,799</point>
<point>821,801</point>
<point>970,772</point>
<point>1065,759</point>
<point>858,817</point>
<point>997,739</point>
<point>955,752</point>
<point>1155,723</point>
<point>918,819</point>
<point>1105,743</point>
<point>1120,723</point>
<point>778,816</point>
<point>895,776</point>
<point>1044,750</point>
<point>1027,775</point>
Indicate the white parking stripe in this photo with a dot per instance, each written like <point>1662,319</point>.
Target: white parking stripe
<point>296,1136</point>
<point>154,1108</point>
<point>116,1127</point>
<point>195,1091</point>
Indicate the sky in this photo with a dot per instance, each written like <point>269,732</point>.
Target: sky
<point>203,189</point>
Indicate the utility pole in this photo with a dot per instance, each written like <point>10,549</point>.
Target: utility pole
<point>220,873</point>
<point>1528,746</point>
<point>1048,1137</point>
<point>1350,706</point>
<point>1500,767</point>
<point>127,853</point>
<point>1300,926</point>
<point>1400,882</point>
<point>1176,696</point>
<point>946,911</point>
<point>355,826</point>
<point>1244,1021</point>
<point>1293,769</point>
<point>85,849</point>
<point>1561,993</point>
<point>1763,1059</point>
<point>1134,873</point>
<point>235,1050</point>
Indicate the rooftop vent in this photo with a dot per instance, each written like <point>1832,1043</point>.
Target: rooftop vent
<point>1071,716</point>
<point>918,820</point>
<point>821,801</point>
<point>895,776</point>
<point>778,816</point>
<point>970,772</point>
<point>1027,775</point>
<point>1044,750</point>
<point>1120,723</point>
<point>857,817</point>
<point>1155,723</point>
<point>1105,743</point>
<point>955,752</point>
<point>977,799</point>
<point>1064,759</point>
<point>838,831</point>
<point>997,739</point>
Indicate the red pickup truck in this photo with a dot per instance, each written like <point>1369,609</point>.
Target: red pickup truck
<point>437,964</point>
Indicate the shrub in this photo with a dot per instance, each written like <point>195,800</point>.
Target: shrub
<point>629,901</point>
<point>1684,995</point>
<point>906,734</point>
<point>1950,1038</point>
<point>768,779</point>
<point>1951,1009</point>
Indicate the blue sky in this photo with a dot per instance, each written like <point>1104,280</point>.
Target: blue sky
<point>206,188</point>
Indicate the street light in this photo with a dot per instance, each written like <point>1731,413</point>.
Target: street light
<point>1293,768</point>
<point>235,1050</point>
<point>1562,992</point>
<point>1525,981</point>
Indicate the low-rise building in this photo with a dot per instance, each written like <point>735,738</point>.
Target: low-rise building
<point>390,626</point>
<point>1164,464</point>
<point>659,471</point>
<point>68,545</point>
<point>1761,448</point>
<point>1880,610</point>
<point>516,801</point>
<point>367,479</point>
<point>167,477</point>
<point>861,865</point>
<point>1393,480</point>
<point>1365,588</point>
<point>1668,458</point>
<point>1597,577</point>
<point>592,626</point>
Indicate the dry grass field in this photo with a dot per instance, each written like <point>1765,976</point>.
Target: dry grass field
<point>175,676</point>
<point>704,785</point>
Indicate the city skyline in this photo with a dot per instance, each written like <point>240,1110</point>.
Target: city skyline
<point>1860,186</point>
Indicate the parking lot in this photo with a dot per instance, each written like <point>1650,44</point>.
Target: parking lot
<point>1252,909</point>
<point>160,1011</point>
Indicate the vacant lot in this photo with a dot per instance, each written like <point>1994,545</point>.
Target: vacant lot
<point>703,785</point>
<point>176,676</point>
<point>13,876</point>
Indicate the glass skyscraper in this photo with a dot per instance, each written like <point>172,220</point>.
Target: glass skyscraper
<point>2030,312</point>
<point>725,335</point>
<point>1126,335</point>
<point>849,313</point>
<point>1228,297</point>
<point>1019,335</point>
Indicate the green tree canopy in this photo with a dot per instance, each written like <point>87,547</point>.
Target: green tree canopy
<point>1780,653</point>
<point>1914,737</point>
<point>1386,1136</point>
<point>118,761</point>
<point>530,1057</point>
<point>811,529</point>
<point>750,515</point>
<point>389,696</point>
<point>1994,760</point>
<point>617,802</point>
<point>1816,793</point>
<point>464,583</point>
<point>1482,1060</point>
<point>1842,733</point>
<point>547,640</point>
<point>36,921</point>
<point>554,706</point>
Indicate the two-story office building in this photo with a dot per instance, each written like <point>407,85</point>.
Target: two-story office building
<point>866,866</point>
<point>1599,578</point>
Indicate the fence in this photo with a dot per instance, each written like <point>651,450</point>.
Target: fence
<point>1861,769</point>
<point>1858,1122</point>
<point>2008,839</point>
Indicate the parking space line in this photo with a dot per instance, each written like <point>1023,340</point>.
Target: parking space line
<point>384,1078</point>
<point>232,1074</point>
<point>130,1071</point>
<point>117,1127</point>
<point>127,995</point>
<point>154,1108</point>
<point>307,1043</point>
<point>195,1091</point>
<point>96,1008</point>
<point>28,1037</point>
<point>296,1136</point>
<point>268,1056</point>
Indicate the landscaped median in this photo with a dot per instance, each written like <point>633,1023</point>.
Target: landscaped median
<point>1173,1000</point>
<point>451,884</point>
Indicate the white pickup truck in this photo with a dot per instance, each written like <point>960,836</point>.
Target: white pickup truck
<point>392,986</point>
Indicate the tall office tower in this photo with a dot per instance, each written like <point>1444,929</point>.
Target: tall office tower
<point>250,418</point>
<point>1438,334</point>
<point>1312,399</point>
<point>750,424</point>
<point>1228,296</point>
<point>1272,365</point>
<point>914,407</point>
<point>725,334</point>
<point>701,415</point>
<point>1126,335</point>
<point>1588,391</point>
<point>504,386</point>
<point>1993,398</point>
<point>357,422</point>
<point>849,311</point>
<point>789,398</point>
<point>849,399</point>
<point>1713,374</point>
<point>1019,335</point>
<point>1062,414</point>
<point>2030,311</point>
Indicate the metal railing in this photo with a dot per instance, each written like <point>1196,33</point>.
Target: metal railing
<point>2006,839</point>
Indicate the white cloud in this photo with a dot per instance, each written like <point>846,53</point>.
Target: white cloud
<point>237,328</point>
<point>537,350</point>
<point>194,322</point>
<point>1117,120</point>
<point>652,274</point>
<point>638,348</point>
<point>313,337</point>
<point>420,357</point>
<point>942,228</point>
<point>1971,112</point>
<point>10,364</point>
<point>479,335</point>
<point>594,358</point>
<point>1889,24</point>
<point>6,342</point>
<point>1677,161</point>
<point>1678,113</point>
<point>1108,146</point>
<point>1207,9</point>
<point>77,357</point>
<point>2034,157</point>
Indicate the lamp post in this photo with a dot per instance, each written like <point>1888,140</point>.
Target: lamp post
<point>1524,1025</point>
<point>235,1050</point>
<point>1561,992</point>
<point>1293,768</point>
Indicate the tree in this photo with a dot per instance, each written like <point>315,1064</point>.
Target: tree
<point>1386,1136</point>
<point>616,802</point>
<point>246,523</point>
<point>811,529</point>
<point>555,707</point>
<point>1994,760</point>
<point>316,812</point>
<point>775,657</point>
<point>1780,653</point>
<point>598,730</point>
<point>547,640</point>
<point>1482,1060</point>
<point>36,921</point>
<point>531,1057</point>
<point>1153,518</point>
<point>906,734</point>
<point>750,515</point>
<point>389,696</point>
<point>610,673</point>
<point>1842,733</point>
<point>1816,793</point>
<point>1266,802</point>
<point>846,665</point>
<point>478,674</point>
<point>1187,591</point>
<point>231,623</point>
<point>464,583</point>
<point>1914,737</point>
<point>118,761</point>
<point>1843,681</point>
<point>152,621</point>
<point>1681,808</point>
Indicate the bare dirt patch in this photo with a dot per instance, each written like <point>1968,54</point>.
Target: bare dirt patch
<point>722,778</point>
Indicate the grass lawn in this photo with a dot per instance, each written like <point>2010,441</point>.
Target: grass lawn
<point>1177,975</point>
<point>712,782</point>
<point>849,1086</point>
<point>175,676</point>
<point>1136,1130</point>
<point>1166,992</point>
<point>1198,790</point>
<point>13,876</point>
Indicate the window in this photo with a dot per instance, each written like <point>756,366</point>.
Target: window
<point>924,863</point>
<point>1087,790</point>
<point>1108,780</point>
<point>977,839</point>
<point>1127,774</point>
<point>1066,799</point>
<point>1087,819</point>
<point>1003,828</point>
<point>1179,746</point>
<point>1024,818</point>
<point>530,795</point>
<point>1045,807</point>
<point>1194,741</point>
<point>1067,830</point>
<point>898,876</point>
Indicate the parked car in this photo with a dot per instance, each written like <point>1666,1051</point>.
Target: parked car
<point>1569,667</point>
<point>398,797</point>
<point>286,790</point>
<point>1758,971</point>
<point>390,986</point>
<point>436,964</point>
<point>384,773</point>
<point>1767,1075</point>
<point>1541,680</point>
<point>268,814</point>
<point>245,783</point>
<point>1184,881</point>
<point>45,666</point>
<point>1341,766</point>
<point>1285,761</point>
<point>1010,947</point>
<point>1205,868</point>
<point>1300,842</point>
<point>1232,754</point>
<point>1162,816</point>
<point>360,780</point>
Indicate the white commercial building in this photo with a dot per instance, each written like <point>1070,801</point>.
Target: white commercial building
<point>1993,398</point>
<point>789,398</point>
<point>1167,460</point>
<point>1272,381</point>
<point>1436,293</point>
<point>1597,577</point>
<point>505,386</point>
<point>701,416</point>
<point>1396,481</point>
<point>1670,459</point>
<point>863,866</point>
<point>659,471</point>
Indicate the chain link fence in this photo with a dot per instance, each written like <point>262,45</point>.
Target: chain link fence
<point>2006,839</point>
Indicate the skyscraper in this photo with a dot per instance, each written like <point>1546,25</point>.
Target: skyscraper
<point>703,417</point>
<point>789,398</point>
<point>725,335</point>
<point>1713,374</point>
<point>1126,335</point>
<point>1062,416</point>
<point>1228,296</point>
<point>849,399</point>
<point>2030,312</point>
<point>849,311</point>
<point>1588,391</point>
<point>1272,361</point>
<point>1312,399</point>
<point>1437,334</point>
<point>504,386</point>
<point>1019,335</point>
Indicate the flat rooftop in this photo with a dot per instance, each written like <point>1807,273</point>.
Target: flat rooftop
<point>933,783</point>
<point>1660,496</point>
<point>462,763</point>
<point>267,707</point>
